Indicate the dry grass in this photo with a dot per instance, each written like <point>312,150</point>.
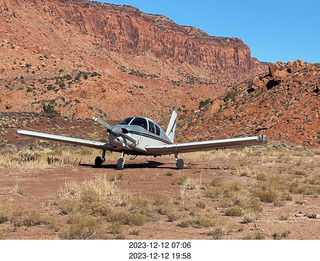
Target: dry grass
<point>93,202</point>
<point>47,157</point>
<point>5,210</point>
<point>82,227</point>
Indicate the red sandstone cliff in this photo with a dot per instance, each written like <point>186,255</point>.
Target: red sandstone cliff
<point>50,49</point>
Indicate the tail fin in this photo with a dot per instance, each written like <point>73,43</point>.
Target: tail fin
<point>172,126</point>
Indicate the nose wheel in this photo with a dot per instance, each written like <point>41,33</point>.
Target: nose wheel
<point>120,162</point>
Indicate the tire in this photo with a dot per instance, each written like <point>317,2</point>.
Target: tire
<point>98,162</point>
<point>120,164</point>
<point>180,164</point>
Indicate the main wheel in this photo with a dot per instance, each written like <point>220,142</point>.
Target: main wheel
<point>98,162</point>
<point>180,164</point>
<point>120,164</point>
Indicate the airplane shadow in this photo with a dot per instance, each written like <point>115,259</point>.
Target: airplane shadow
<point>154,165</point>
<point>148,164</point>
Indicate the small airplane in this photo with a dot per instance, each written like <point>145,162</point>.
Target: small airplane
<point>142,136</point>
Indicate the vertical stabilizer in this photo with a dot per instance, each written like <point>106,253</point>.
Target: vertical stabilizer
<point>172,126</point>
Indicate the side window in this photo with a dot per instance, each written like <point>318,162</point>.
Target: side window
<point>157,130</point>
<point>152,127</point>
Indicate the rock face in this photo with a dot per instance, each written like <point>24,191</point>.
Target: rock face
<point>50,48</point>
<point>284,105</point>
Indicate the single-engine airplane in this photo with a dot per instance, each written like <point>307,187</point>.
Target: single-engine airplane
<point>142,136</point>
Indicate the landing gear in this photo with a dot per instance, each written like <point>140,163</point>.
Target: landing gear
<point>120,162</point>
<point>99,160</point>
<point>179,162</point>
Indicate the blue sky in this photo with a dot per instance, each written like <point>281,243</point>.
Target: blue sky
<point>274,30</point>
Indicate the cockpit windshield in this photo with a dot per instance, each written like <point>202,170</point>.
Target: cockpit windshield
<point>142,122</point>
<point>126,121</point>
<point>139,121</point>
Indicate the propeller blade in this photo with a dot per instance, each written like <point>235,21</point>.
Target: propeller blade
<point>103,123</point>
<point>125,136</point>
<point>115,130</point>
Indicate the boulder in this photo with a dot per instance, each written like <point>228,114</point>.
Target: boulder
<point>215,107</point>
<point>279,75</point>
<point>272,68</point>
<point>298,63</point>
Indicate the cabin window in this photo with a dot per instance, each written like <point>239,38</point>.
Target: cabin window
<point>126,121</point>
<point>157,130</point>
<point>140,122</point>
<point>152,127</point>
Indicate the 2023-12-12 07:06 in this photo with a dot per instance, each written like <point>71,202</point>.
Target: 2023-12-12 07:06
<point>161,245</point>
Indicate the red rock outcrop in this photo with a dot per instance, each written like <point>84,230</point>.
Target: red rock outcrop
<point>284,104</point>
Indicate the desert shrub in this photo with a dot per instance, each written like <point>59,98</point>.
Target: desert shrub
<point>140,205</point>
<point>204,221</point>
<point>3,235</point>
<point>256,236</point>
<point>266,195</point>
<point>82,227</point>
<point>217,233</point>
<point>204,103</point>
<point>199,221</point>
<point>217,182</point>
<point>91,190</point>
<point>250,216</point>
<point>162,203</point>
<point>125,218</point>
<point>281,235</point>
<point>300,173</point>
<point>33,218</point>
<point>29,156</point>
<point>214,192</point>
<point>230,96</point>
<point>181,180</point>
<point>5,211</point>
<point>49,109</point>
<point>185,223</point>
<point>164,206</point>
<point>200,204</point>
<point>97,208</point>
<point>116,228</point>
<point>269,190</point>
<point>235,211</point>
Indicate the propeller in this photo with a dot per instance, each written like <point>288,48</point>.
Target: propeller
<point>115,130</point>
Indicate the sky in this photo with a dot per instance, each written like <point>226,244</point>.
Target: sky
<point>274,30</point>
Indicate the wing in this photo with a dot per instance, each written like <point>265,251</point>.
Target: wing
<point>207,145</point>
<point>64,139</point>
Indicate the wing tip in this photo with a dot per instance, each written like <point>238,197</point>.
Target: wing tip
<point>262,139</point>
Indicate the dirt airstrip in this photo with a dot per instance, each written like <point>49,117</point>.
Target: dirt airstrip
<point>252,193</point>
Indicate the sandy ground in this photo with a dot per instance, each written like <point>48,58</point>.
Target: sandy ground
<point>26,190</point>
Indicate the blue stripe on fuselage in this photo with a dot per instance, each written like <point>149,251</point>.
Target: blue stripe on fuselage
<point>150,136</point>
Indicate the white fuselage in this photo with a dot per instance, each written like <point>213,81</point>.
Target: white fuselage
<point>144,137</point>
